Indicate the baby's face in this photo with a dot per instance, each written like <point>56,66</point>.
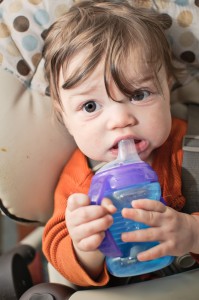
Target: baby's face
<point>98,123</point>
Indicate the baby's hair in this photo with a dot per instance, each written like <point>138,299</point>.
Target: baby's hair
<point>109,30</point>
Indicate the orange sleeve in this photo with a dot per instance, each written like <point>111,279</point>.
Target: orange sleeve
<point>57,245</point>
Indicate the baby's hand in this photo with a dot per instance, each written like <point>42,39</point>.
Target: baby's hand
<point>87,223</point>
<point>174,230</point>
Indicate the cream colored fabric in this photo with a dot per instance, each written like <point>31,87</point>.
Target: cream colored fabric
<point>56,277</point>
<point>183,286</point>
<point>182,96</point>
<point>33,150</point>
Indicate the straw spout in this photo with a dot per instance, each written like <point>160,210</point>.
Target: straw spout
<point>127,154</point>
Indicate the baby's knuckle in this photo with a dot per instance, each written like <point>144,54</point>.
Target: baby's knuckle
<point>151,235</point>
<point>172,245</point>
<point>151,217</point>
<point>84,214</point>
<point>108,221</point>
<point>91,243</point>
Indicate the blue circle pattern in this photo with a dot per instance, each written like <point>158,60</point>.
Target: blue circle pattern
<point>182,2</point>
<point>1,13</point>
<point>41,17</point>
<point>29,42</point>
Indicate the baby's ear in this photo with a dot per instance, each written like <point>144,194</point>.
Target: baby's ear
<point>171,82</point>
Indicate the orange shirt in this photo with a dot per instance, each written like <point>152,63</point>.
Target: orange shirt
<point>76,178</point>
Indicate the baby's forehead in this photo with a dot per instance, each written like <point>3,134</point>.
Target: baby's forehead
<point>133,66</point>
<point>136,60</point>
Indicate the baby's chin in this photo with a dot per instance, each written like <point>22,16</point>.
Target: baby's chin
<point>146,157</point>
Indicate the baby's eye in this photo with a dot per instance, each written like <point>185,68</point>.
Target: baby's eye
<point>91,106</point>
<point>140,95</point>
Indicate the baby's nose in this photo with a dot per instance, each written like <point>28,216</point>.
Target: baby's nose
<point>121,116</point>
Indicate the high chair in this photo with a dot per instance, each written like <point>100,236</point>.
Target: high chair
<point>43,151</point>
<point>34,148</point>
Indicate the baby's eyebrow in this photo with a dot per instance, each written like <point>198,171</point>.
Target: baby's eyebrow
<point>83,86</point>
<point>79,91</point>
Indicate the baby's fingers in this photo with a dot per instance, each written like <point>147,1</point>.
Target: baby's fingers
<point>153,253</point>
<point>77,200</point>
<point>144,235</point>
<point>92,231</point>
<point>95,226</point>
<point>92,242</point>
<point>149,205</point>
<point>150,218</point>
<point>107,203</point>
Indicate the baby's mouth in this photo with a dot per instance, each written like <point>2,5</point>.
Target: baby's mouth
<point>137,141</point>
<point>115,147</point>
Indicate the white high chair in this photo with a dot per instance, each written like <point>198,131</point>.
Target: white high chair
<point>34,148</point>
<point>33,151</point>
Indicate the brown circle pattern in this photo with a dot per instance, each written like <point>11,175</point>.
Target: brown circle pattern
<point>4,31</point>
<point>23,68</point>
<point>187,39</point>
<point>35,2</point>
<point>188,56</point>
<point>197,3</point>
<point>21,24</point>
<point>167,21</point>
<point>185,18</point>
<point>36,59</point>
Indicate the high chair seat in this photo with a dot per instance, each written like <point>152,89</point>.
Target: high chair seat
<point>34,147</point>
<point>33,150</point>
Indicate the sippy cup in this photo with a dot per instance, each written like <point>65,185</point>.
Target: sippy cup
<point>123,180</point>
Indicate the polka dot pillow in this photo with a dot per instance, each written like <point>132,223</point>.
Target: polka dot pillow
<point>23,24</point>
<point>183,29</point>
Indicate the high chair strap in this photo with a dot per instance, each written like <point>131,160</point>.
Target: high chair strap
<point>190,165</point>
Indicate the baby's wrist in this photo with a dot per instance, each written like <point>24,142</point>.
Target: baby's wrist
<point>195,239</point>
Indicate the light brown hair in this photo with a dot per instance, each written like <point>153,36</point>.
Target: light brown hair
<point>114,30</point>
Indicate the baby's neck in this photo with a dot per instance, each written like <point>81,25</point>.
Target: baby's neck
<point>95,165</point>
<point>150,159</point>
